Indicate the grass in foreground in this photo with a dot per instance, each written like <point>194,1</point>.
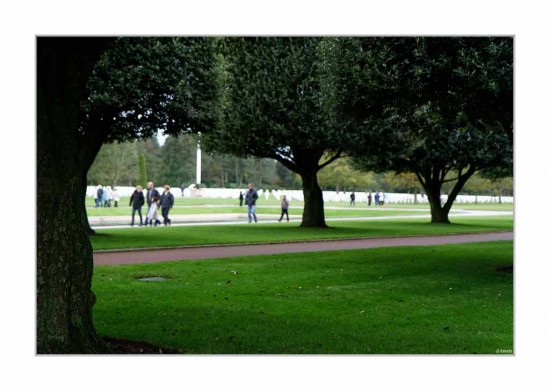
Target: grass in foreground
<point>284,232</point>
<point>438,300</point>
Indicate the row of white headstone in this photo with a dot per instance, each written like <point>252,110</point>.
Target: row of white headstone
<point>360,197</point>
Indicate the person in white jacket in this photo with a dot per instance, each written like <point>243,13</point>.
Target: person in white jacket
<point>115,196</point>
<point>153,212</point>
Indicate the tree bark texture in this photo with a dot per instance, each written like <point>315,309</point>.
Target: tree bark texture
<point>314,211</point>
<point>438,212</point>
<point>64,252</point>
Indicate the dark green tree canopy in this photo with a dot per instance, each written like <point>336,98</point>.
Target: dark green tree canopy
<point>431,106</point>
<point>273,100</point>
<point>471,74</point>
<point>145,85</point>
<point>436,105</point>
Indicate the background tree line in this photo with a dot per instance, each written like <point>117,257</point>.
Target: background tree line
<point>174,163</point>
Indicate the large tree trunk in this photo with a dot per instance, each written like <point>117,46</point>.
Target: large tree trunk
<point>314,211</point>
<point>439,213</point>
<point>89,229</point>
<point>64,252</point>
<point>431,182</point>
<point>432,185</point>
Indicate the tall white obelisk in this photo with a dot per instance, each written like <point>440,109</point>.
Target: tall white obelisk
<point>199,159</point>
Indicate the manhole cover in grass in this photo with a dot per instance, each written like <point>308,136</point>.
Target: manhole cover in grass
<point>150,279</point>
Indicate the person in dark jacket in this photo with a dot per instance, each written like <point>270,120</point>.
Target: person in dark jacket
<point>166,203</point>
<point>250,201</point>
<point>284,209</point>
<point>151,192</point>
<point>136,202</point>
<point>99,194</point>
<point>241,198</point>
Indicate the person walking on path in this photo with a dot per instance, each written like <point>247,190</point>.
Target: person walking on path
<point>116,197</point>
<point>111,198</point>
<point>151,193</point>
<point>250,201</point>
<point>352,199</point>
<point>153,212</point>
<point>369,198</point>
<point>98,196</point>
<point>136,202</point>
<point>284,209</point>
<point>166,203</point>
<point>105,197</point>
<point>377,199</point>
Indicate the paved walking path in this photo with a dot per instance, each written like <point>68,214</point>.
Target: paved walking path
<point>209,252</point>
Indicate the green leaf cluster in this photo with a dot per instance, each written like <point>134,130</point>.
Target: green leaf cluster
<point>425,103</point>
<point>143,85</point>
<point>273,101</point>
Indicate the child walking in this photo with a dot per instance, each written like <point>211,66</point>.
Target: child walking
<point>284,208</point>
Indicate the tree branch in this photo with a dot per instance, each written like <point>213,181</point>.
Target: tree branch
<point>420,179</point>
<point>458,187</point>
<point>333,158</point>
<point>450,179</point>
<point>287,163</point>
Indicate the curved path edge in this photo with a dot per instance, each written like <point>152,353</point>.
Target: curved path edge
<point>210,252</point>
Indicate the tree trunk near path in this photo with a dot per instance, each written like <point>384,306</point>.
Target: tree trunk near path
<point>314,212</point>
<point>439,212</point>
<point>64,252</point>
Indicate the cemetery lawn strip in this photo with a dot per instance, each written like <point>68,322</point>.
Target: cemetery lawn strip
<point>155,237</point>
<point>451,299</point>
<point>275,211</point>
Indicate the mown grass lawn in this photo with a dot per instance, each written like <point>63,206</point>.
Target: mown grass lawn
<point>295,212</point>
<point>453,299</point>
<point>220,205</point>
<point>144,237</point>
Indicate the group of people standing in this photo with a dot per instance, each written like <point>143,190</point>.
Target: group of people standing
<point>249,199</point>
<point>155,200</point>
<point>106,195</point>
<point>379,199</point>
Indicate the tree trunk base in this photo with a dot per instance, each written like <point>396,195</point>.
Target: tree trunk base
<point>314,225</point>
<point>441,221</point>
